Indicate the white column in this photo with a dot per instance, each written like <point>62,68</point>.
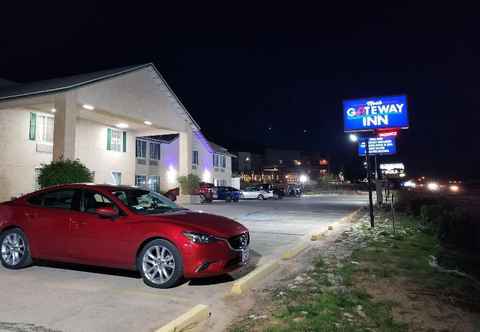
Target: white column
<point>65,125</point>
<point>185,151</point>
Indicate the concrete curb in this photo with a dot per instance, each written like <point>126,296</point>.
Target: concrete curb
<point>188,321</point>
<point>348,218</point>
<point>246,282</point>
<point>291,253</point>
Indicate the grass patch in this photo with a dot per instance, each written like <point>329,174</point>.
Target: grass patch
<point>329,297</point>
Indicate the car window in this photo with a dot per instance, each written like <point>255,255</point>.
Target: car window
<point>145,202</point>
<point>93,200</point>
<point>58,199</point>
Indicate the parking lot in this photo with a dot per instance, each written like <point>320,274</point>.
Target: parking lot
<point>57,297</point>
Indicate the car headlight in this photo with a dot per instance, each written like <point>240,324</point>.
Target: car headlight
<point>200,237</point>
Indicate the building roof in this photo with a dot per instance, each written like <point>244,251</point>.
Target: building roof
<point>63,83</point>
<point>220,149</point>
<point>11,90</point>
<point>6,83</point>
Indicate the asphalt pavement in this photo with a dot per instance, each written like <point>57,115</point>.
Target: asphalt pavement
<point>61,297</point>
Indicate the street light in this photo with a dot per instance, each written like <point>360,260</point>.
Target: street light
<point>353,137</point>
<point>303,178</point>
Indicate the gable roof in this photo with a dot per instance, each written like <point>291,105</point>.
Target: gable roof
<point>220,149</point>
<point>63,84</point>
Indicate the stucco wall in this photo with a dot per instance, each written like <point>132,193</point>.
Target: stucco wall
<point>137,95</point>
<point>91,149</point>
<point>205,161</point>
<point>227,174</point>
<point>18,155</point>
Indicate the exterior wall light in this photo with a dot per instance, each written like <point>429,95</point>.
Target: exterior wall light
<point>148,123</point>
<point>53,110</point>
<point>353,137</point>
<point>88,107</point>
<point>121,125</point>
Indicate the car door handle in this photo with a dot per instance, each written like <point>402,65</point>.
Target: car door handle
<point>31,215</point>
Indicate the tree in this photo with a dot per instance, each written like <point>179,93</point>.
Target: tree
<point>64,171</point>
<point>189,184</point>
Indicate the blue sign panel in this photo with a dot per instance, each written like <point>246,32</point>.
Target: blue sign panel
<point>378,145</point>
<point>368,114</point>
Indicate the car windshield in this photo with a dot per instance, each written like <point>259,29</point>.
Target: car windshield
<point>146,202</point>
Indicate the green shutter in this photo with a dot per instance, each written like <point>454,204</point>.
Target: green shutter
<point>109,139</point>
<point>124,141</point>
<point>33,127</point>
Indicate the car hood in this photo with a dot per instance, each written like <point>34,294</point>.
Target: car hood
<point>204,222</point>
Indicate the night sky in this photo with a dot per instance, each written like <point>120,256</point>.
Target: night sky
<point>242,69</point>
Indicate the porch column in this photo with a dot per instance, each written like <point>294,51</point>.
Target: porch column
<point>185,151</point>
<point>65,125</point>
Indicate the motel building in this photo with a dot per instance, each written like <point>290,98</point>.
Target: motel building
<point>126,125</point>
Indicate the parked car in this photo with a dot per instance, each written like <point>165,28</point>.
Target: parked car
<point>278,190</point>
<point>205,191</point>
<point>294,190</point>
<point>256,192</point>
<point>120,227</point>
<point>228,194</point>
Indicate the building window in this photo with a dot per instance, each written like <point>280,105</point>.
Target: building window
<point>141,149</point>
<point>41,128</point>
<point>224,161</point>
<point>154,151</point>
<point>154,183</point>
<point>36,184</point>
<point>116,140</point>
<point>141,181</point>
<point>117,178</point>
<point>215,160</point>
<point>195,158</point>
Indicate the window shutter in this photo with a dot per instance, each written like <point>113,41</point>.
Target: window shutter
<point>124,141</point>
<point>109,139</point>
<point>33,127</point>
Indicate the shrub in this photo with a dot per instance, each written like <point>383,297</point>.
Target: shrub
<point>189,184</point>
<point>63,172</point>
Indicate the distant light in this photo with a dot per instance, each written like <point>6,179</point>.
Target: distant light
<point>402,175</point>
<point>121,125</point>
<point>148,123</point>
<point>433,186</point>
<point>53,110</point>
<point>303,178</point>
<point>454,188</point>
<point>410,184</point>
<point>88,107</point>
<point>353,137</point>
<point>247,159</point>
<point>305,131</point>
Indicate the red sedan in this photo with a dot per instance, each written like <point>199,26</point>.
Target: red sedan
<point>120,227</point>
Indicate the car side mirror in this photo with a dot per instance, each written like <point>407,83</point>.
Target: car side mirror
<point>107,212</point>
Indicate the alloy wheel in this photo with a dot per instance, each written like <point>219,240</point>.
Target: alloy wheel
<point>13,249</point>
<point>158,264</point>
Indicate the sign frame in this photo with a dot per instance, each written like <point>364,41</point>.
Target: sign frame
<point>400,122</point>
<point>361,141</point>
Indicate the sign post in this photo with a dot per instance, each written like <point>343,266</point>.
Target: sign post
<point>369,180</point>
<point>375,115</point>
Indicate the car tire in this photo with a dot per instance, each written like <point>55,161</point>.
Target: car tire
<point>236,200</point>
<point>260,197</point>
<point>203,199</point>
<point>154,263</point>
<point>228,199</point>
<point>14,249</point>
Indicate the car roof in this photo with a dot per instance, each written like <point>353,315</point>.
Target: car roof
<point>100,187</point>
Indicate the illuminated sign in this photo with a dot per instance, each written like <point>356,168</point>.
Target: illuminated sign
<point>369,114</point>
<point>378,145</point>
